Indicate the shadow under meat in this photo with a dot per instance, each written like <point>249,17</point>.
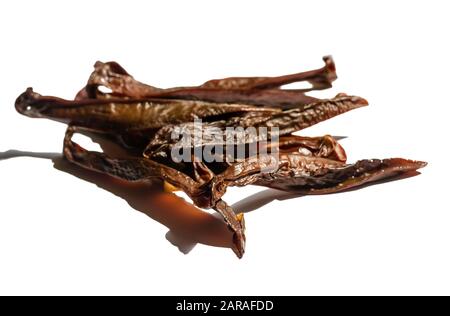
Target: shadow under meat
<point>187,224</point>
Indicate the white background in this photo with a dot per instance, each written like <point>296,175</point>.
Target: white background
<point>60,234</point>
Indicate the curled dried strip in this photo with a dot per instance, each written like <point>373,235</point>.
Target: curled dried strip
<point>126,115</point>
<point>336,179</point>
<point>261,91</point>
<point>310,175</point>
<point>113,76</point>
<point>287,122</point>
<point>130,169</point>
<point>319,78</point>
<point>290,121</point>
<point>235,223</point>
<point>323,147</point>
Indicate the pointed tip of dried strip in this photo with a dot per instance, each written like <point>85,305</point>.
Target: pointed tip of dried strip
<point>98,64</point>
<point>357,101</point>
<point>239,237</point>
<point>404,164</point>
<point>239,244</point>
<point>25,103</point>
<point>330,67</point>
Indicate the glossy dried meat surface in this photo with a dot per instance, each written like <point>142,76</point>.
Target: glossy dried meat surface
<point>142,119</point>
